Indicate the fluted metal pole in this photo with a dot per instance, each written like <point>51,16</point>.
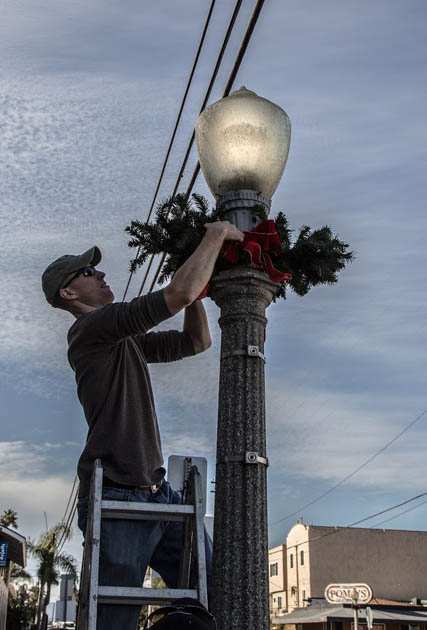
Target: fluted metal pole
<point>240,597</point>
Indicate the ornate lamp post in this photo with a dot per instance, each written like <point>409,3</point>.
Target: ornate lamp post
<point>243,143</point>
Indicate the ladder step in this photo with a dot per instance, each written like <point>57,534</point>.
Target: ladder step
<point>145,511</point>
<point>141,596</point>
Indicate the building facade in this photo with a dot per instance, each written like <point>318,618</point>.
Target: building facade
<point>384,615</point>
<point>392,562</point>
<point>278,580</point>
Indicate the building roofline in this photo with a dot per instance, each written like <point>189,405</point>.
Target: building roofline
<point>372,529</point>
<point>277,547</point>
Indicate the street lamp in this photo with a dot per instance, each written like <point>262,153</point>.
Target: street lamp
<point>243,143</point>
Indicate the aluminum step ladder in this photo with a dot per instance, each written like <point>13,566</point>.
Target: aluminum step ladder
<point>191,512</point>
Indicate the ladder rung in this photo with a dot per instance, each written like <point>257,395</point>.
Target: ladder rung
<point>141,596</point>
<point>146,511</point>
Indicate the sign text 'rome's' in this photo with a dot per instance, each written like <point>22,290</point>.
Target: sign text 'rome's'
<point>348,593</point>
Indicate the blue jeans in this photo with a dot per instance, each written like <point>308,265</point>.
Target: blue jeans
<point>128,547</point>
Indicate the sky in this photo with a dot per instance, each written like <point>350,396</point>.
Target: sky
<point>88,99</point>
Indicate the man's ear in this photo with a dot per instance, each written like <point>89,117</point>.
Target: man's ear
<point>67,294</point>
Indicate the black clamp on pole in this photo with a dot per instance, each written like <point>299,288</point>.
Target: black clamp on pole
<point>250,457</point>
<point>250,351</point>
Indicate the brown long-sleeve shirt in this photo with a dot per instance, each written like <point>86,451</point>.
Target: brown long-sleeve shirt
<point>109,350</point>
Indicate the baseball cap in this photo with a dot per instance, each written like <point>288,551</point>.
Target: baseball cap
<point>56,274</point>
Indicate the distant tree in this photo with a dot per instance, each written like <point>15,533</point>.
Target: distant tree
<point>51,561</point>
<point>9,518</point>
<point>22,607</point>
<point>18,573</point>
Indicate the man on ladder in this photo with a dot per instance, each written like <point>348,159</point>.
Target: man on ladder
<point>109,348</point>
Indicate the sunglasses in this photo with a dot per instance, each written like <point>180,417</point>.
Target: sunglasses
<point>193,612</point>
<point>87,272</point>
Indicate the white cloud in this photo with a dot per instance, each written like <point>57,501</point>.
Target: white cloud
<point>28,486</point>
<point>324,435</point>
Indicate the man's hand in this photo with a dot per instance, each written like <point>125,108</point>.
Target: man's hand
<point>190,279</point>
<point>227,230</point>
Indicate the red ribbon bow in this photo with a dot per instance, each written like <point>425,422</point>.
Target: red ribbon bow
<point>259,243</point>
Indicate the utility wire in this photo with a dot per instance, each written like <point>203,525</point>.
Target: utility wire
<point>178,120</point>
<point>69,500</point>
<point>65,537</point>
<point>362,520</point>
<point>393,507</point>
<point>67,526</point>
<point>355,471</point>
<point>240,55</point>
<point>411,509</point>
<point>67,520</point>
<point>214,75</point>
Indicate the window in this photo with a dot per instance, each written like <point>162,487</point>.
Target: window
<point>279,602</point>
<point>274,569</point>
<point>303,597</point>
<point>302,557</point>
<point>291,560</point>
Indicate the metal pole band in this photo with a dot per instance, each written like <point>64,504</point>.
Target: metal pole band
<point>250,457</point>
<point>239,207</point>
<point>251,351</point>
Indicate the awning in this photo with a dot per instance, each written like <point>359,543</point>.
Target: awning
<point>17,551</point>
<point>321,614</point>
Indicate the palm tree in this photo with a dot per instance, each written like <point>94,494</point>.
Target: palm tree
<point>9,518</point>
<point>51,561</point>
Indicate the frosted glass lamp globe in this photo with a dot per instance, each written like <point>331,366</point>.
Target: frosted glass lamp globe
<point>243,143</point>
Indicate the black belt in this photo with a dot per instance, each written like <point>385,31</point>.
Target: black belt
<point>109,483</point>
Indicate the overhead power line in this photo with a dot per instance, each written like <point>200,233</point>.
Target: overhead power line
<point>358,522</point>
<point>69,513</point>
<point>69,500</point>
<point>411,509</point>
<point>355,471</point>
<point>214,75</point>
<point>393,507</point>
<point>240,55</point>
<point>67,525</point>
<point>177,122</point>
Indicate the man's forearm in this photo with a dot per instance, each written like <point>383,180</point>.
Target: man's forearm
<point>197,326</point>
<point>196,272</point>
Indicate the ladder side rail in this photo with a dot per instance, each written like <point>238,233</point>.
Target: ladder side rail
<point>187,553</point>
<point>186,557</point>
<point>200,538</point>
<point>95,536</point>
<point>83,603</point>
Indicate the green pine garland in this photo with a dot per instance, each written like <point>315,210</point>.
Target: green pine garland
<point>315,257</point>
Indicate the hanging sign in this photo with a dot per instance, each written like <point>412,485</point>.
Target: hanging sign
<point>348,593</point>
<point>4,546</point>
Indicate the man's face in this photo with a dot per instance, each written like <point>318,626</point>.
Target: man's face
<point>89,288</point>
